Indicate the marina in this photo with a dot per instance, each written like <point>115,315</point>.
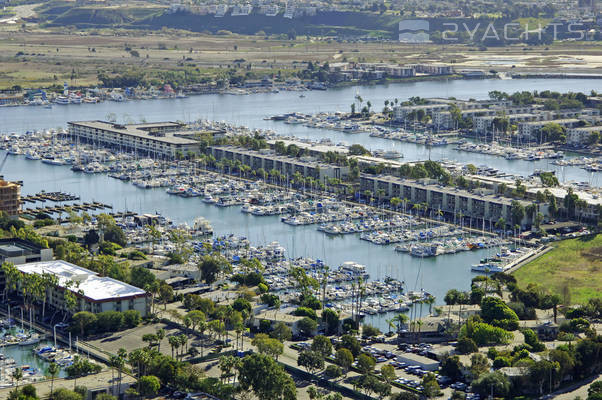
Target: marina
<point>148,186</point>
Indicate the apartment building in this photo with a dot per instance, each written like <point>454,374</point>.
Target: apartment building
<point>580,136</point>
<point>94,293</point>
<point>444,119</point>
<point>450,200</point>
<point>484,124</point>
<point>288,166</point>
<point>10,198</point>
<point>161,139</point>
<point>530,129</point>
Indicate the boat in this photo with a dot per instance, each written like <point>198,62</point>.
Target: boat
<point>62,100</point>
<point>32,339</point>
<point>53,161</point>
<point>488,267</point>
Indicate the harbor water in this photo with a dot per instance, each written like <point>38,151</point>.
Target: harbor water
<point>435,275</point>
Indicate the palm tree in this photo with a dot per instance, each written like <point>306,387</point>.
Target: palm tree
<point>53,371</point>
<point>160,336</point>
<point>17,375</point>
<point>430,300</point>
<point>174,343</point>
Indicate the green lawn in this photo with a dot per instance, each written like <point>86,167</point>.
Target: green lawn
<point>573,263</point>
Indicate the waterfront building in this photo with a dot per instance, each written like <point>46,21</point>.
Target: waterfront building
<point>268,160</point>
<point>482,205</point>
<point>94,293</point>
<point>161,139</point>
<point>580,136</point>
<point>10,198</point>
<point>444,119</point>
<point>530,129</point>
<point>484,124</point>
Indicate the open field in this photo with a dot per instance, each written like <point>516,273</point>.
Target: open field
<point>37,57</point>
<point>574,263</point>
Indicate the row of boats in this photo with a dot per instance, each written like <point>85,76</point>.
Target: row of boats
<point>510,153</point>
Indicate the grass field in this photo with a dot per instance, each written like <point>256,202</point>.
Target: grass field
<point>574,263</point>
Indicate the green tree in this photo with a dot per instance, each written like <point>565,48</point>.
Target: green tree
<point>478,365</point>
<point>53,371</point>
<point>431,386</point>
<point>344,358</point>
<point>322,345</point>
<point>307,326</point>
<point>266,378</point>
<point>149,385</point>
<point>311,360</point>
<point>365,363</point>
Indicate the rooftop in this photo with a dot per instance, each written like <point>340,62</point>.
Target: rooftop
<point>92,286</point>
<point>139,130</point>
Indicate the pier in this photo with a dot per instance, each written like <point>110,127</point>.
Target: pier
<point>94,206</point>
<point>49,196</point>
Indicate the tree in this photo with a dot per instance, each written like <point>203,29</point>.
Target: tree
<point>493,382</point>
<point>358,150</point>
<point>141,277</point>
<point>268,345</point>
<point>451,367</point>
<point>166,294</point>
<point>266,378</point>
<point>322,345</point>
<point>53,371</point>
<point>517,210</point>
<point>281,332</point>
<point>211,266</point>
<point>431,386</point>
<point>307,326</point>
<point>344,358</point>
<point>466,345</point>
<point>311,360</point>
<point>365,363</point>
<point>478,365</point>
<point>387,371</point>
<point>84,320</point>
<point>149,386</point>
<point>16,376</point>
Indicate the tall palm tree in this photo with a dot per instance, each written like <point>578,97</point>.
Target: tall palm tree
<point>17,375</point>
<point>160,336</point>
<point>53,371</point>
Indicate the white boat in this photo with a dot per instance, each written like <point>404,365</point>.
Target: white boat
<point>53,161</point>
<point>33,156</point>
<point>32,339</point>
<point>487,267</point>
<point>62,100</point>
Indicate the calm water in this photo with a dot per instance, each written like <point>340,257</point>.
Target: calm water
<point>250,111</point>
<point>23,355</point>
<point>435,275</point>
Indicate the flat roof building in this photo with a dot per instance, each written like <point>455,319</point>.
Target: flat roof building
<point>94,293</point>
<point>480,205</point>
<point>288,166</point>
<point>160,139</point>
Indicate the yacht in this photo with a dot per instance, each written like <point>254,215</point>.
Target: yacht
<point>62,100</point>
<point>32,339</point>
<point>487,267</point>
<point>32,155</point>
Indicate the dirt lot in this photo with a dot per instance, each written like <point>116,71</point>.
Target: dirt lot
<point>31,56</point>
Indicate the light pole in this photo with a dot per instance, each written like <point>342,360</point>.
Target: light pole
<point>54,332</point>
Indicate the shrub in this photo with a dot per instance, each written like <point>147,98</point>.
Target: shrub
<point>136,255</point>
<point>306,312</point>
<point>131,318</point>
<point>333,371</point>
<point>501,362</point>
<point>466,346</point>
<point>370,331</point>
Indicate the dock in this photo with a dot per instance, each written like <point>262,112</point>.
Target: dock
<point>49,196</point>
<point>94,206</point>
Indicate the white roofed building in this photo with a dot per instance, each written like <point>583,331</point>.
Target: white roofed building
<point>95,293</point>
